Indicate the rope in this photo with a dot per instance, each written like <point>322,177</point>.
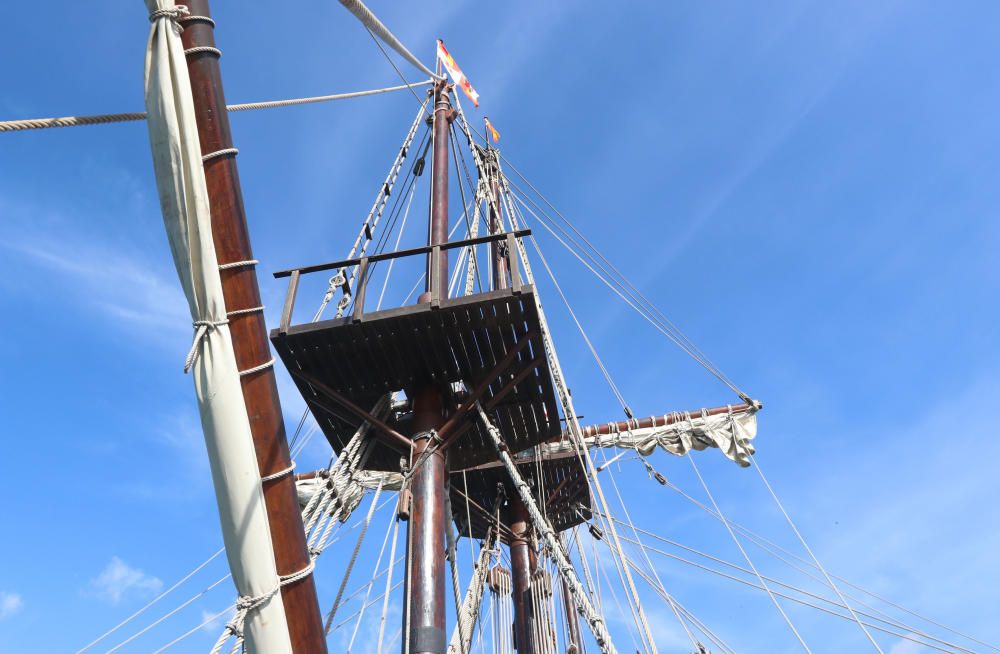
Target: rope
<point>776,551</point>
<point>811,605</point>
<point>652,568</point>
<point>746,557</point>
<point>203,624</point>
<point>203,48</point>
<point>238,264</point>
<point>245,604</point>
<point>156,599</point>
<point>894,623</point>
<point>219,153</point>
<point>378,562</point>
<point>199,19</point>
<point>169,614</point>
<point>173,13</point>
<point>583,605</point>
<point>388,585</point>
<point>452,555</point>
<point>354,557</point>
<point>201,329</point>
<point>461,637</point>
<point>279,474</point>
<point>569,410</point>
<point>104,119</point>
<point>243,312</point>
<point>374,25</point>
<point>663,593</point>
<point>808,549</point>
<point>263,366</point>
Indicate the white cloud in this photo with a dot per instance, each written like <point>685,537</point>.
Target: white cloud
<point>212,622</point>
<point>121,287</point>
<point>119,579</point>
<point>10,603</point>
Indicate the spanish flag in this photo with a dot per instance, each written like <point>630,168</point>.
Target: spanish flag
<point>492,130</point>
<point>456,73</point>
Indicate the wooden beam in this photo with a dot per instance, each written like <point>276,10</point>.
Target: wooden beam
<point>249,333</point>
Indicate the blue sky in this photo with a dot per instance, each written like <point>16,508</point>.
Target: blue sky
<point>809,189</point>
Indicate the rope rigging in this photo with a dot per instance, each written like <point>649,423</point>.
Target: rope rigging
<point>342,490</point>
<point>104,119</point>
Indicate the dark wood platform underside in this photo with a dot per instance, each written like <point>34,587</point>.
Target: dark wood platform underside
<point>565,498</point>
<point>363,358</point>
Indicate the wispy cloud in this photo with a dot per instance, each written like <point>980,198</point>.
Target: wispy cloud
<point>212,621</point>
<point>118,580</point>
<point>10,603</point>
<point>119,286</point>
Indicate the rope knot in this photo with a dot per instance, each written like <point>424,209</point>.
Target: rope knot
<point>201,329</point>
<point>173,14</point>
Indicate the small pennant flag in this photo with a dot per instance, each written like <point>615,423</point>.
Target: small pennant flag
<point>456,73</point>
<point>492,130</point>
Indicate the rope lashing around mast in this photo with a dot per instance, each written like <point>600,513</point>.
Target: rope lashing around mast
<point>245,604</point>
<point>104,119</point>
<point>580,599</point>
<point>377,27</point>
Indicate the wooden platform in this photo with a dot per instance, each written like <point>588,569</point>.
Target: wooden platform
<point>478,340</point>
<point>565,499</point>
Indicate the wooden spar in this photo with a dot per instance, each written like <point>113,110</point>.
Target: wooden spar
<point>607,428</point>
<point>249,333</point>
<point>424,615</point>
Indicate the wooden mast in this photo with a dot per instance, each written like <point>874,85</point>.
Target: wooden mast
<point>523,558</point>
<point>249,334</point>
<point>424,614</point>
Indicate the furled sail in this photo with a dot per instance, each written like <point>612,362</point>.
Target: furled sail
<point>731,431</point>
<point>180,179</point>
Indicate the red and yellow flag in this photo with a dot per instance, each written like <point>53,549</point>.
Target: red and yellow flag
<point>456,73</point>
<point>492,130</point>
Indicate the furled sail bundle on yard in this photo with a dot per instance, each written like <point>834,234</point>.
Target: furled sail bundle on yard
<point>730,429</point>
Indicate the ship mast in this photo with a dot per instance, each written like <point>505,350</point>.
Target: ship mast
<point>249,335</point>
<point>424,615</point>
<point>523,557</point>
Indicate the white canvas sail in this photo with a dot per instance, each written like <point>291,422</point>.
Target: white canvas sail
<point>184,200</point>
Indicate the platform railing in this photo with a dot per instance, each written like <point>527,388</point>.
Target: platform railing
<point>363,264</point>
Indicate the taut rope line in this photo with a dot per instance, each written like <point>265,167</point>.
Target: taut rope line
<point>104,119</point>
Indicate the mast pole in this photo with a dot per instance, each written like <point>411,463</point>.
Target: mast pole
<point>523,558</point>
<point>572,621</point>
<point>424,616</point>
<point>249,334</point>
<point>523,562</point>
